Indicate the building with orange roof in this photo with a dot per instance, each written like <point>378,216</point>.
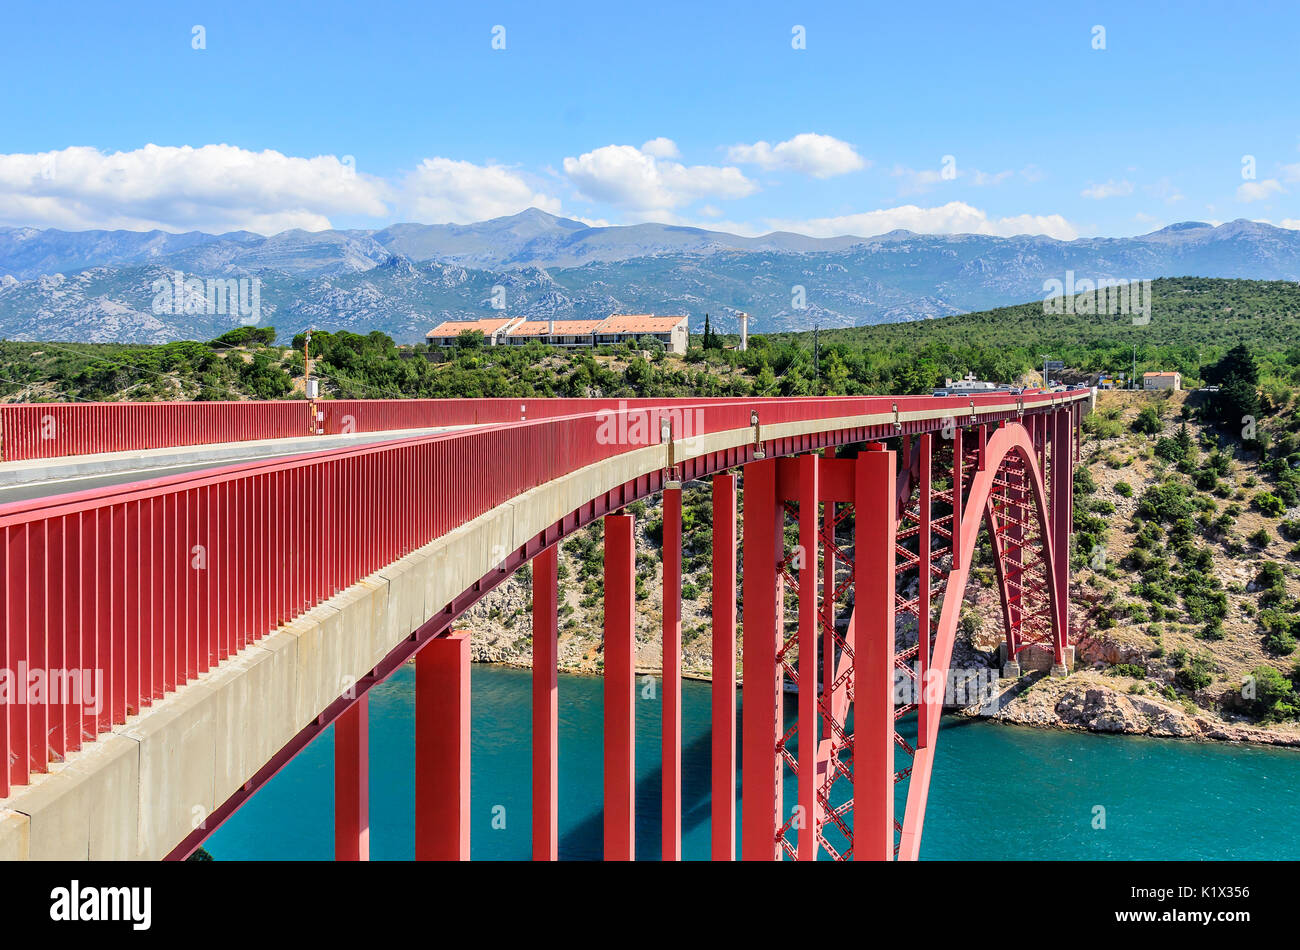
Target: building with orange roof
<point>672,332</point>
<point>492,328</point>
<point>1162,381</point>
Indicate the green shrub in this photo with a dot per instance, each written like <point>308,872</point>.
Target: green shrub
<point>1269,504</point>
<point>1148,421</point>
<point>1165,503</point>
<point>1129,669</point>
<point>1196,675</point>
<point>1274,694</point>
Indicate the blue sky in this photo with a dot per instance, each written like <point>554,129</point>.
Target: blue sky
<point>993,117</point>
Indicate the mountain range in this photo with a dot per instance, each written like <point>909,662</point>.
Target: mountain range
<point>101,286</point>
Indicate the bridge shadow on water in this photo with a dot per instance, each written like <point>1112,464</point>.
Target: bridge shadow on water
<point>584,840</point>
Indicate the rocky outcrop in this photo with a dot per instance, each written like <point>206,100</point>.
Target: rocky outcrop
<point>1102,651</point>
<point>1083,701</point>
<point>1103,710</point>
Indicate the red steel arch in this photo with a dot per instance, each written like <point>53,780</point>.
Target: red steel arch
<point>1010,445</point>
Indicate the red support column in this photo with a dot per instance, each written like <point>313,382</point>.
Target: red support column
<point>671,740</point>
<point>545,704</point>
<point>724,668</point>
<point>442,764</point>
<point>1044,431</point>
<point>808,621</point>
<point>761,707</point>
<point>1061,501</point>
<point>828,608</point>
<point>923,590</point>
<point>352,783</point>
<point>620,719</point>
<point>956,497</point>
<point>873,658</point>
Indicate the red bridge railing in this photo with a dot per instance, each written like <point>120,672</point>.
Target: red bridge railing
<point>150,584</point>
<point>56,430</point>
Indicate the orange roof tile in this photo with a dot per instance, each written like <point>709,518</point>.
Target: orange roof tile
<point>562,328</point>
<point>457,327</point>
<point>638,323</point>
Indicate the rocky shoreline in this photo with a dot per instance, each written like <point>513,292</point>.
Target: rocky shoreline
<point>1084,702</point>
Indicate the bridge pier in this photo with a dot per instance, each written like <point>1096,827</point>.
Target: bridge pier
<point>442,749</point>
<point>671,737</point>
<point>723,688</point>
<point>546,632</point>
<point>764,591</point>
<point>925,569</point>
<point>620,685</point>
<point>352,783</point>
<point>809,494</point>
<point>873,656</point>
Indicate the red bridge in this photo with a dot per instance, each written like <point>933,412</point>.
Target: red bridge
<point>232,614</point>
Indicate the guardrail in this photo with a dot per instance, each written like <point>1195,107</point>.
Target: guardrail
<point>57,430</point>
<point>148,585</point>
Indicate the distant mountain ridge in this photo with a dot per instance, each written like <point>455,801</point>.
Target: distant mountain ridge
<point>96,285</point>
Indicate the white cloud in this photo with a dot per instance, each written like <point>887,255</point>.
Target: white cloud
<point>955,217</point>
<point>629,177</point>
<point>1108,189</point>
<point>1259,190</point>
<point>821,156</point>
<point>212,188</point>
<point>443,190</point>
<point>661,148</point>
<point>1291,172</point>
<point>1291,223</point>
<point>218,188</point>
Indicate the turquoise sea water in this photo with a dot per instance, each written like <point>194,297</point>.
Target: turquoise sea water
<point>998,792</point>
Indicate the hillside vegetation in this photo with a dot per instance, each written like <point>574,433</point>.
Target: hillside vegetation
<point>1194,322</point>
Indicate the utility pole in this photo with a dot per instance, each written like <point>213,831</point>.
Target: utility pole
<point>1133,380</point>
<point>1045,358</point>
<point>306,383</point>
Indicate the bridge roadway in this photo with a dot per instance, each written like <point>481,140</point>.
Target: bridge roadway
<point>46,478</point>
<point>155,783</point>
